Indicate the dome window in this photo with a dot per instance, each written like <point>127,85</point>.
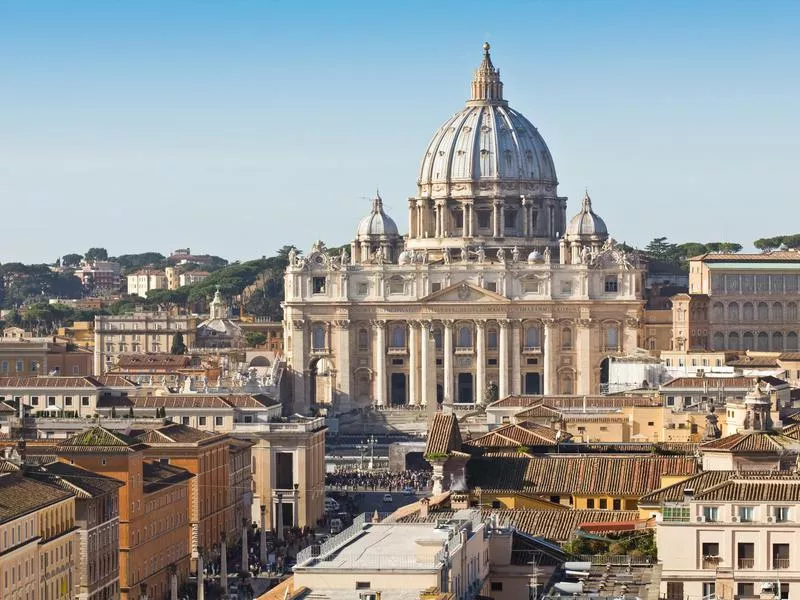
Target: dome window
<point>318,285</point>
<point>611,284</point>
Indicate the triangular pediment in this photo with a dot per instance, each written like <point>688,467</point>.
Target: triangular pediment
<point>463,291</point>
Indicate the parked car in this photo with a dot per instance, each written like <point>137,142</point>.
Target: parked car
<point>407,491</point>
<point>387,498</point>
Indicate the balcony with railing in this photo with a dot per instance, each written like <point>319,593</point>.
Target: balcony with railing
<point>465,349</point>
<point>711,562</point>
<point>746,563</point>
<point>398,350</point>
<point>320,350</point>
<point>780,563</point>
<point>531,349</point>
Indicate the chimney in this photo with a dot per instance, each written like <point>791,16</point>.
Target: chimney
<point>459,500</point>
<point>688,495</point>
<point>423,508</point>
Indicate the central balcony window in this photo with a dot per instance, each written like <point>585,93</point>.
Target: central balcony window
<point>533,341</point>
<point>397,340</point>
<point>464,340</point>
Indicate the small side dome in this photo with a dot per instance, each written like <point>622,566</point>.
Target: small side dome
<point>404,258</point>
<point>534,257</point>
<point>586,222</point>
<point>377,223</point>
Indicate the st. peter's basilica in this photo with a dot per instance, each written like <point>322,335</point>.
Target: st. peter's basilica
<point>484,283</point>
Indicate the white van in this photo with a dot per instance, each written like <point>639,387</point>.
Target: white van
<point>331,505</point>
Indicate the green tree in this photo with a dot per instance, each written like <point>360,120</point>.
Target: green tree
<point>96,254</point>
<point>178,347</point>
<point>769,244</point>
<point>662,250</point>
<point>71,260</point>
<point>255,338</point>
<point>131,262</point>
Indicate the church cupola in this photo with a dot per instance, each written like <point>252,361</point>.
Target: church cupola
<point>486,84</point>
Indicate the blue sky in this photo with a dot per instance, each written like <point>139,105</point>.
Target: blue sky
<point>236,127</point>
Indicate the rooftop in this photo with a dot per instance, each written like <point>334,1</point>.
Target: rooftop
<point>175,433</point>
<point>20,495</point>
<point>444,435</point>
<point>82,483</point>
<point>100,440</point>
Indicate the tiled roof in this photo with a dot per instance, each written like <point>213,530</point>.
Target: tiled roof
<point>777,255</point>
<point>20,495</point>
<point>187,401</point>
<point>556,525</point>
<point>250,401</point>
<point>700,383</point>
<point>6,408</point>
<point>99,439</point>
<point>594,418</point>
<point>789,356</point>
<point>444,435</point>
<point>151,361</point>
<point>115,381</point>
<point>752,441</point>
<point>576,402</point>
<point>675,492</point>
<point>537,411</point>
<point>6,466</point>
<point>577,475</point>
<point>49,382</point>
<point>792,431</point>
<point>754,362</point>
<point>158,475</point>
<point>82,483</point>
<point>521,434</point>
<point>752,490</point>
<point>175,433</point>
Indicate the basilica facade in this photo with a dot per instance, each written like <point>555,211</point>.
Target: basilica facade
<point>491,292</point>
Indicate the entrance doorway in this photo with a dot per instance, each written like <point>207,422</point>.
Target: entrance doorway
<point>465,393</point>
<point>533,383</point>
<point>398,389</point>
<point>439,393</point>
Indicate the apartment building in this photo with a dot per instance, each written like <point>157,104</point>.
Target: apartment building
<point>100,276</point>
<point>96,575</point>
<point>38,543</point>
<point>153,508</point>
<point>142,281</point>
<point>736,538</point>
<point>138,333</point>
<point>42,356</point>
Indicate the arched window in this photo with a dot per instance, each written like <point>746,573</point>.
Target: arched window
<point>763,311</point>
<point>363,340</point>
<point>464,336</point>
<point>612,337</point>
<point>777,312</point>
<point>532,337</point>
<point>748,313</point>
<point>791,312</point>
<point>733,311</point>
<point>437,338</point>
<point>748,341</point>
<point>566,338</point>
<point>763,341</point>
<point>777,341</point>
<point>397,339</point>
<point>791,341</point>
<point>491,339</point>
<point>719,341</point>
<point>318,338</point>
<point>718,312</point>
<point>733,341</point>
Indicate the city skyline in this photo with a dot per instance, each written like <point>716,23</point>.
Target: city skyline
<point>234,128</point>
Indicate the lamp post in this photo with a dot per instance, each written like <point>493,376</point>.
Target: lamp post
<point>371,440</point>
<point>362,449</point>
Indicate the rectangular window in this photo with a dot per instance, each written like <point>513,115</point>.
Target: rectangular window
<point>780,556</point>
<point>603,503</point>
<point>590,503</point>
<point>745,589</point>
<point>318,285</point>
<point>497,586</point>
<point>745,554</point>
<point>617,504</point>
<point>458,219</point>
<point>491,286</point>
<point>363,585</point>
<point>284,470</point>
<point>34,400</point>
<point>185,420</point>
<point>20,366</point>
<point>51,401</point>
<point>218,421</point>
<point>709,589</point>
<point>67,400</point>
<point>611,284</point>
<point>746,514</point>
<point>4,366</point>
<point>711,514</point>
<point>34,366</point>
<point>84,400</point>
<point>201,421</point>
<point>435,287</point>
<point>484,218</point>
<point>363,288</point>
<point>781,514</point>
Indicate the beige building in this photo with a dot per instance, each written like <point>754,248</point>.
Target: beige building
<point>137,333</point>
<point>484,270</point>
<point>289,470</point>
<point>142,281</point>
<point>38,541</point>
<point>730,535</point>
<point>746,301</point>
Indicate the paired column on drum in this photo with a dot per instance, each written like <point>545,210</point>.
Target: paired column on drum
<point>380,362</point>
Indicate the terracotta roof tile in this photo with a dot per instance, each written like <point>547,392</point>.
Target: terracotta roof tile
<point>518,434</point>
<point>675,492</point>
<point>99,439</point>
<point>158,475</point>
<point>754,490</point>
<point>49,382</point>
<point>175,433</point>
<point>82,483</point>
<point>20,495</point>
<point>576,402</point>
<point>444,435</point>
<point>700,383</point>
<point>752,441</point>
<point>153,361</point>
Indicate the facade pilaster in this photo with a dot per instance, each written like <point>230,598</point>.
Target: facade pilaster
<point>502,360</point>
<point>583,356</point>
<point>342,354</point>
<point>425,358</point>
<point>496,218</point>
<point>300,359</point>
<point>550,345</point>
<point>380,362</point>
<point>516,369</point>
<point>480,357</point>
<point>413,363</point>
<point>448,362</point>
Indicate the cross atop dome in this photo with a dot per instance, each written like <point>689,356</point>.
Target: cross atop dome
<point>486,84</point>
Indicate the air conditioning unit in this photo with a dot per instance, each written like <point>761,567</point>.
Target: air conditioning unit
<point>770,519</point>
<point>735,519</point>
<point>701,519</point>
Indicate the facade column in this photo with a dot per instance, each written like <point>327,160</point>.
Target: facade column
<point>245,554</point>
<point>413,364</point>
<point>480,357</point>
<point>412,213</point>
<point>468,210</point>
<point>583,357</point>
<point>342,353</point>
<point>496,218</point>
<point>502,360</point>
<point>201,590</point>
<point>448,362</point>
<point>502,218</point>
<point>262,548</point>
<point>516,370</point>
<point>549,346</point>
<point>299,362</point>
<point>425,357</point>
<point>380,363</point>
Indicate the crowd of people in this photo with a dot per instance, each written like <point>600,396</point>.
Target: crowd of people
<point>352,479</point>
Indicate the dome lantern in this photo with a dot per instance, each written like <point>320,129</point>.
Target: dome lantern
<point>486,84</point>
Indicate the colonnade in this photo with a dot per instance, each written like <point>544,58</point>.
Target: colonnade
<point>434,218</point>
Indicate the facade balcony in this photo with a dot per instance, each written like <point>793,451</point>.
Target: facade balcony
<point>465,350</point>
<point>746,563</point>
<point>780,563</point>
<point>531,349</point>
<point>398,350</point>
<point>711,562</point>
<point>609,348</point>
<point>320,351</point>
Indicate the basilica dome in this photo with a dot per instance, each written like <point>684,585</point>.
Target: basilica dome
<point>377,223</point>
<point>486,141</point>
<point>586,222</point>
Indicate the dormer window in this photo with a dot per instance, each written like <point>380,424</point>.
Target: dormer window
<point>611,284</point>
